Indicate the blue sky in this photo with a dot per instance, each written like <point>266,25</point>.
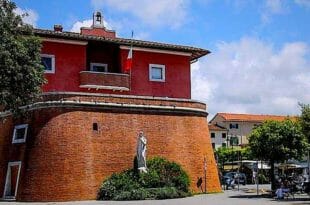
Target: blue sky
<point>260,61</point>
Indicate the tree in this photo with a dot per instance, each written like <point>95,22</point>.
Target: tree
<point>277,141</point>
<point>226,155</point>
<point>305,120</point>
<point>21,72</point>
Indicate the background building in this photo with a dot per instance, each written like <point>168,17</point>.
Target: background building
<point>239,126</point>
<point>218,136</point>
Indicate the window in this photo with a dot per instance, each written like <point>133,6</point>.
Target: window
<point>48,61</point>
<point>99,67</point>
<point>223,144</point>
<point>157,72</point>
<point>233,126</point>
<point>95,126</point>
<point>212,135</point>
<point>223,135</point>
<point>20,133</point>
<point>12,179</point>
<point>234,140</point>
<point>213,145</point>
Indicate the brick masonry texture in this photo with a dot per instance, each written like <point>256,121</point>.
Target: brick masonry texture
<point>104,79</point>
<point>63,159</point>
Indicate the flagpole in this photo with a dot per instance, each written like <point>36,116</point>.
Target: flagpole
<point>131,60</point>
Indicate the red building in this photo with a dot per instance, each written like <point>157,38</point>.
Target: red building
<point>94,62</point>
<point>85,127</point>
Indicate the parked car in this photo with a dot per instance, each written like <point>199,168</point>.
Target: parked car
<point>237,177</point>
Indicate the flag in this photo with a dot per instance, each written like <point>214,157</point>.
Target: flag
<point>128,62</point>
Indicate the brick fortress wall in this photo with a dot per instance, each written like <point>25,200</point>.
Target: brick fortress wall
<point>65,159</point>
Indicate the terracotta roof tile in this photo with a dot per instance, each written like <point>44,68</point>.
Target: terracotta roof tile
<point>216,127</point>
<point>196,52</point>
<point>253,117</point>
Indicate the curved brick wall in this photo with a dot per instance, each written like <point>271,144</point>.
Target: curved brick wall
<point>64,159</point>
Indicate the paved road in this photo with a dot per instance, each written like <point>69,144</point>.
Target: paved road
<point>245,196</point>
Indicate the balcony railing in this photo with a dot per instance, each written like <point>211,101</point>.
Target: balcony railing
<point>104,80</point>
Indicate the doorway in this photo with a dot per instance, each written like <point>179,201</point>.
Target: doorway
<point>12,178</point>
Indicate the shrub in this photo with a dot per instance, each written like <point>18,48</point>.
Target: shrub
<point>167,193</point>
<point>124,181</point>
<point>163,173</point>
<point>164,180</point>
<point>134,194</point>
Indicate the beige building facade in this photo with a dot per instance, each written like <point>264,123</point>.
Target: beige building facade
<point>218,136</point>
<point>239,126</point>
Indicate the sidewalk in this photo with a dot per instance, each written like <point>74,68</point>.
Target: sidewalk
<point>245,196</point>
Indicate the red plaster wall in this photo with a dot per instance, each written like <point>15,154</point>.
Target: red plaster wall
<point>66,160</point>
<point>71,59</point>
<point>177,69</point>
<point>5,145</point>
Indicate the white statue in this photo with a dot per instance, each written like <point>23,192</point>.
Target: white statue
<point>141,152</point>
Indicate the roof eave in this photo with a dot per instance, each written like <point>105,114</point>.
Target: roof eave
<point>196,52</point>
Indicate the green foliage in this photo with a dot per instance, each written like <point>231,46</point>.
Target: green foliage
<point>226,155</point>
<point>163,173</point>
<point>164,180</point>
<point>21,75</point>
<point>277,141</point>
<point>167,193</point>
<point>305,120</point>
<point>117,183</point>
<point>133,194</point>
<point>151,193</point>
<point>234,141</point>
<point>263,179</point>
<point>246,153</point>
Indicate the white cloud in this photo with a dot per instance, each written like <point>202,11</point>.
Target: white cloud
<point>85,23</point>
<point>251,76</point>
<point>155,13</point>
<point>31,18</point>
<point>273,7</point>
<point>77,25</point>
<point>305,3</point>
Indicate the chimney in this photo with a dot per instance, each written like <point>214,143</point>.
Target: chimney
<point>58,28</point>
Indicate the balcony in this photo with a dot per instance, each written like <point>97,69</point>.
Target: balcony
<point>104,80</point>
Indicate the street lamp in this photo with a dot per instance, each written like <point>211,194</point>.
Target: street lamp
<point>230,139</point>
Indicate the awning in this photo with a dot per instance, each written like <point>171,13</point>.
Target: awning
<point>249,164</point>
<point>289,166</point>
<point>231,167</point>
